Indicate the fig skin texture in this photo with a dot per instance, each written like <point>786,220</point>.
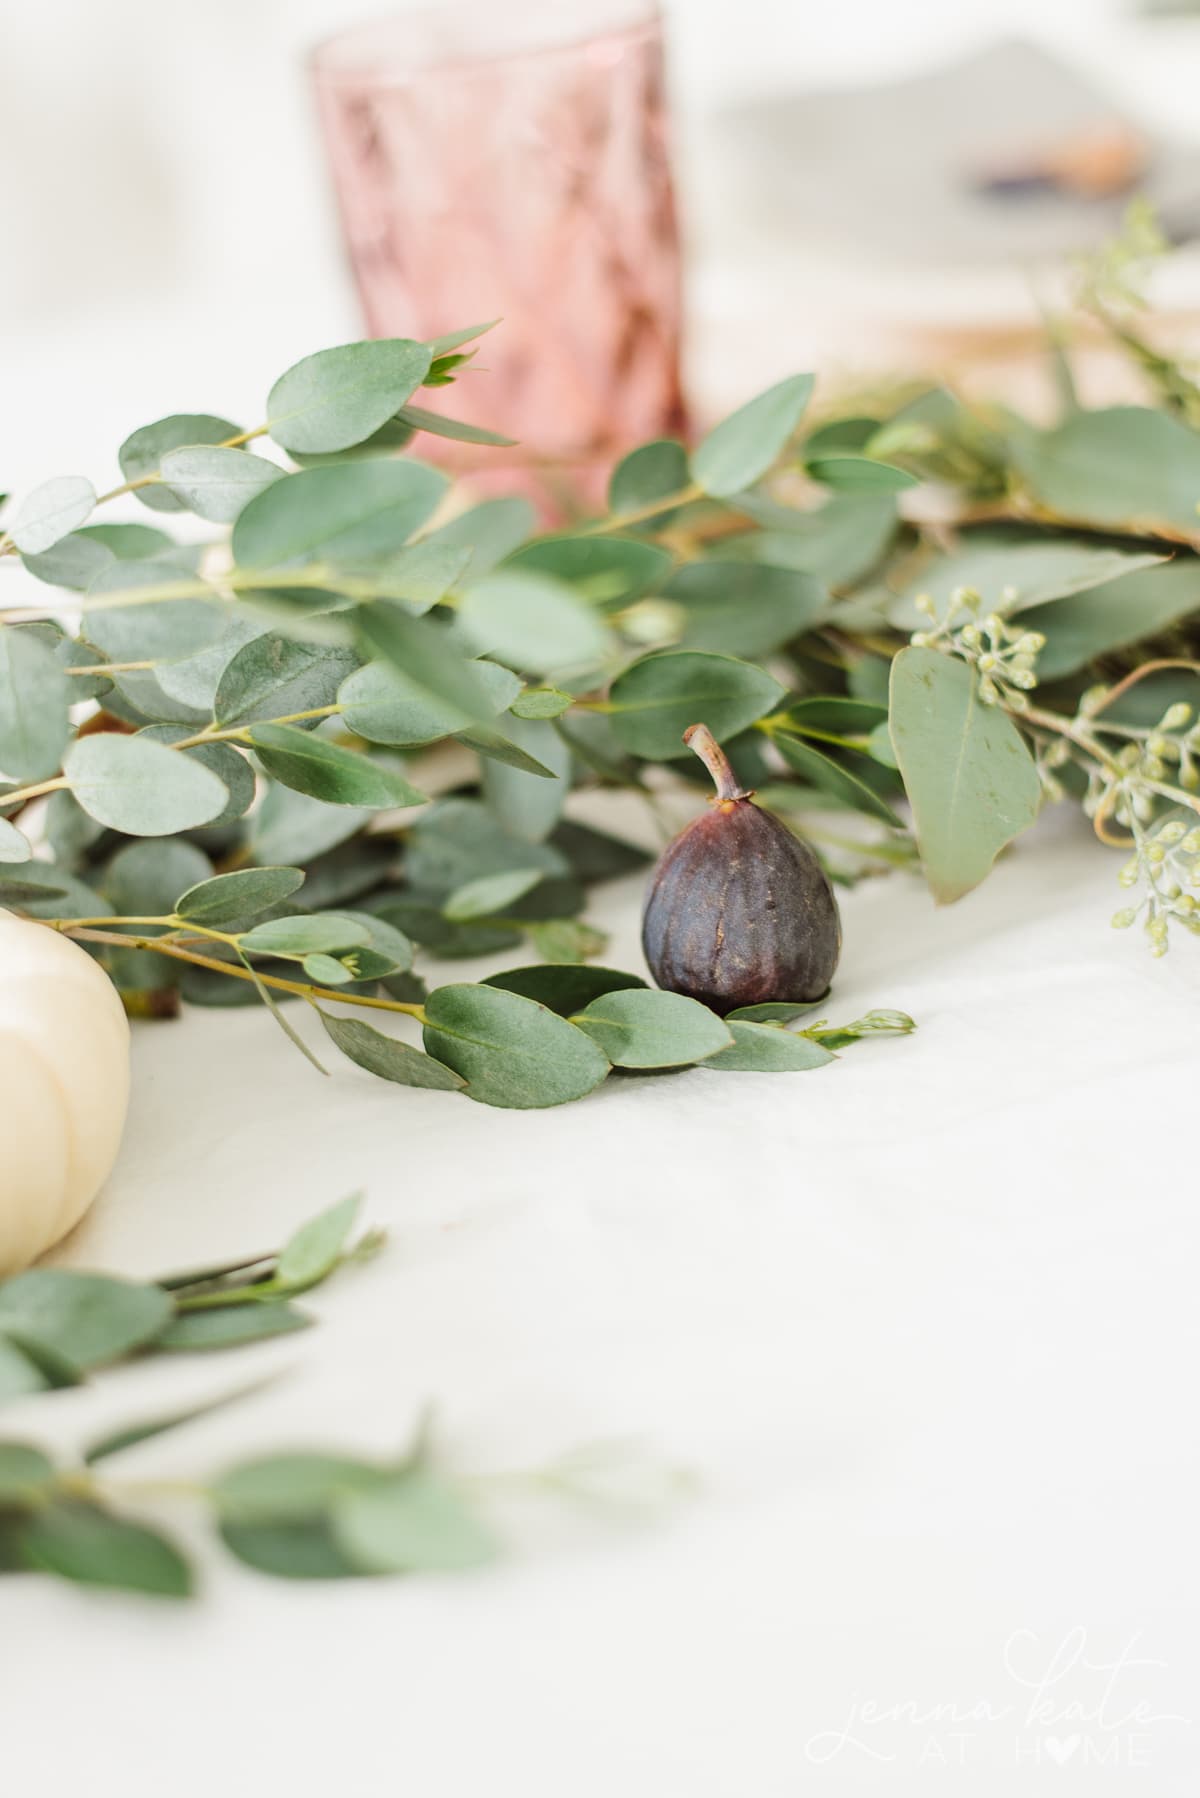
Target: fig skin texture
<point>740,911</point>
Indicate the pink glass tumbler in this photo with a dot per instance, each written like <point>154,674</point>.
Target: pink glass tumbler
<point>511,161</point>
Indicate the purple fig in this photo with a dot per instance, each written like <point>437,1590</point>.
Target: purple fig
<point>740,911</point>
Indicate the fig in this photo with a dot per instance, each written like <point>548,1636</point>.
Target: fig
<point>740,911</point>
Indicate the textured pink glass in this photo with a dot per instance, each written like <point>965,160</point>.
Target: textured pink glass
<point>511,161</point>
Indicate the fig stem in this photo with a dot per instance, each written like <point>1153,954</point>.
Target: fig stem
<point>700,739</point>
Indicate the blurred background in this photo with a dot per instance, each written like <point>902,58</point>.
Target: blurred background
<point>860,186</point>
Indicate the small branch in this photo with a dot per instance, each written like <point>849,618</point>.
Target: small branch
<point>161,946</point>
<point>621,521</point>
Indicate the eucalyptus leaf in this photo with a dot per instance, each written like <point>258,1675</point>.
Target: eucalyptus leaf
<point>25,1473</point>
<point>968,773</point>
<point>318,934</point>
<point>458,840</point>
<point>526,781</point>
<point>648,474</point>
<point>534,622</point>
<point>222,759</point>
<point>541,702</point>
<point>609,570</point>
<point>832,777</point>
<point>840,542</point>
<point>290,827</point>
<point>383,704</point>
<point>52,511</point>
<point>656,699</point>
<point>418,418</point>
<point>144,878</point>
<point>562,988</point>
<point>488,532</point>
<point>231,1326</point>
<point>216,483</point>
<point>745,608</point>
<point>429,659</point>
<point>639,1028</point>
<point>140,787</point>
<point>740,450</point>
<point>89,1318</point>
<point>13,846</point>
<point>859,474</point>
<point>489,893</point>
<point>317,1246</point>
<point>273,676</point>
<point>511,1051</point>
<point>142,452</point>
<point>388,1058</point>
<point>230,901</point>
<point>34,697</point>
<point>347,513</point>
<point>762,1048</point>
<point>328,772</point>
<point>1013,573</point>
<point>1124,465</point>
<point>77,1540</point>
<point>340,396</point>
<point>1128,609</point>
<point>293,1548</point>
<point>411,1522</point>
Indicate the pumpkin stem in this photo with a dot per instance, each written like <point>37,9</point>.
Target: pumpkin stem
<point>700,739</point>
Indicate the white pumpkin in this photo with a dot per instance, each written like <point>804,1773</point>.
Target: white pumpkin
<point>64,1086</point>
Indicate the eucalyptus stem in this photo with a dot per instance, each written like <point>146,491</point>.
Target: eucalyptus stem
<point>164,946</point>
<point>621,521</point>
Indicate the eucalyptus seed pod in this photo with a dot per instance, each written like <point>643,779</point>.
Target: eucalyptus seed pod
<point>739,911</point>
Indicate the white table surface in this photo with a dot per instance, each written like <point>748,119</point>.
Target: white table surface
<point>920,1325</point>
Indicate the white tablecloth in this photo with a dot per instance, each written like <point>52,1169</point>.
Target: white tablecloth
<point>920,1325</point>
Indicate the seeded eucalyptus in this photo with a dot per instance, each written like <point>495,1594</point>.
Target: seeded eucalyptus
<point>932,614</point>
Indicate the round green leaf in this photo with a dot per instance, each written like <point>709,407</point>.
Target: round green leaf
<point>607,570</point>
<point>328,772</point>
<point>338,397</point>
<point>142,879</point>
<point>741,449</point>
<point>216,483</point>
<point>533,622</point>
<point>640,1028</point>
<point>231,768</point>
<point>13,846</point>
<point>510,1051</point>
<point>859,474</point>
<point>388,1058</point>
<point>561,987</point>
<point>34,700</point>
<point>350,512</point>
<point>744,608</point>
<point>488,532</point>
<point>655,700</point>
<point>1123,465</point>
<point>966,768</point>
<point>318,934</point>
<point>652,472</point>
<point>412,1522</point>
<point>229,901</point>
<point>278,1488</point>
<point>142,452</point>
<point>767,1049</point>
<point>141,787</point>
<point>489,894</point>
<point>25,1472</point>
<point>383,704</point>
<point>88,1318</point>
<point>541,702</point>
<point>51,511</point>
<point>79,1541</point>
<point>273,676</point>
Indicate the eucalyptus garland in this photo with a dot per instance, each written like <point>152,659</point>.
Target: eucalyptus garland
<point>932,614</point>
